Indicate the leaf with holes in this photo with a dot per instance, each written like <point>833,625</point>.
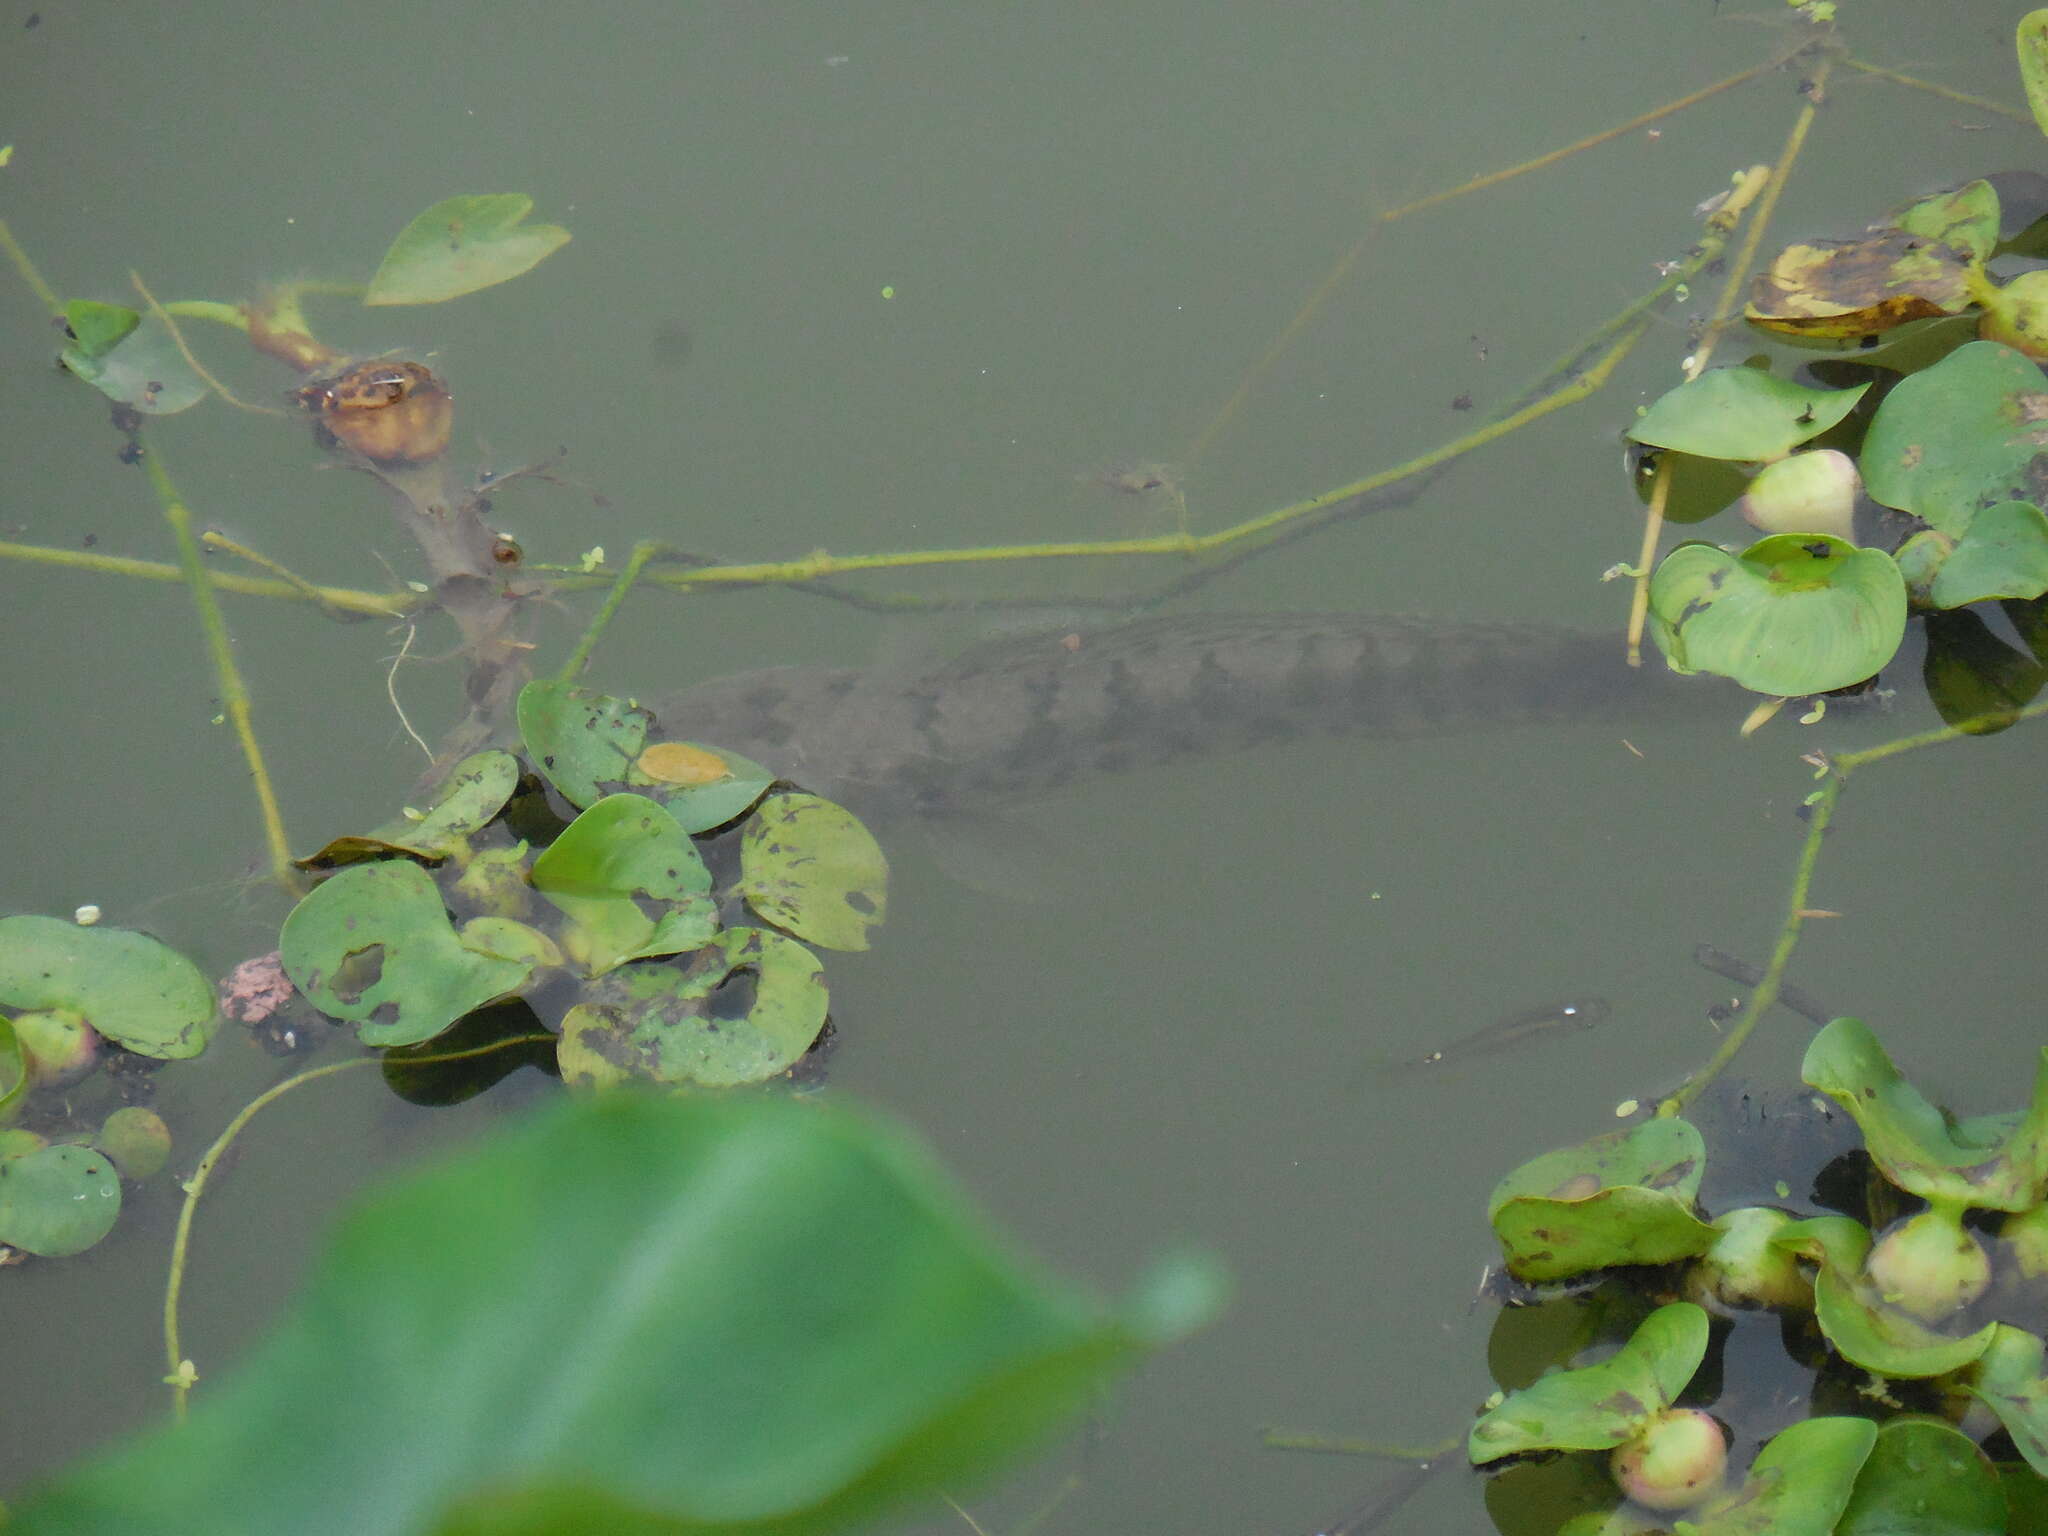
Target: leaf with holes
<point>662,1021</point>
<point>374,945</point>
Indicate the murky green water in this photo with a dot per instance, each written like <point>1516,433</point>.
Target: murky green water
<point>1093,220</point>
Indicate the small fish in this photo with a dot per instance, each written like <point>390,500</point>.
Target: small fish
<point>1514,1030</point>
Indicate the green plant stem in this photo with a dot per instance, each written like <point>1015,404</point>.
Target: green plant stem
<point>643,552</point>
<point>298,583</point>
<point>1946,93</point>
<point>346,599</point>
<point>1837,770</point>
<point>182,1376</point>
<point>234,694</point>
<point>231,315</point>
<point>45,294</point>
<point>1337,1445</point>
<point>1251,531</point>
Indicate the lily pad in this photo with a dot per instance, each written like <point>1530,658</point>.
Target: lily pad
<point>1922,1476</point>
<point>1864,287</point>
<point>463,244</point>
<point>143,369</point>
<point>1598,1406</point>
<point>1854,1317</point>
<point>1799,1484</point>
<point>621,849</point>
<point>373,945</point>
<point>703,787</point>
<point>809,866</point>
<point>134,990</point>
<point>2033,51</point>
<point>580,739</point>
<point>1622,1198</point>
<point>1742,413</point>
<point>96,328</point>
<point>509,939</point>
<point>658,1021</point>
<point>1963,435</point>
<point>2004,554</point>
<point>57,1201</point>
<point>1793,614</point>
<point>1965,219</point>
<point>1988,1162</point>
<point>636,1313</point>
<point>2010,1380</point>
<point>472,794</point>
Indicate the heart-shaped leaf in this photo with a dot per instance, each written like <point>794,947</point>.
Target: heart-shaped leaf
<point>463,244</point>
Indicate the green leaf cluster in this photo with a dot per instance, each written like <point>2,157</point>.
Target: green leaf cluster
<point>1953,447</point>
<point>440,912</point>
<point>1924,1298</point>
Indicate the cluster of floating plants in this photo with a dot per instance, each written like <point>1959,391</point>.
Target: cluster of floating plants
<point>1933,471</point>
<point>619,903</point>
<point>1946,1427</point>
<point>606,925</point>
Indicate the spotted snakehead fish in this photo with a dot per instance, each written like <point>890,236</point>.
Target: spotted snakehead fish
<point>1020,716</point>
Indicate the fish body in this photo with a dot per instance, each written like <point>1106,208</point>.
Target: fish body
<point>1517,1029</point>
<point>1020,716</point>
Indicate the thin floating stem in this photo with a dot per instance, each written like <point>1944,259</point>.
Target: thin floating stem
<point>1798,908</point>
<point>234,695</point>
<point>182,1375</point>
<point>390,605</point>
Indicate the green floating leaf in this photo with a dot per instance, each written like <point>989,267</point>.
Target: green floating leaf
<point>810,866</point>
<point>1793,614</point>
<point>2033,51</point>
<point>134,990</point>
<point>13,1072</point>
<point>135,1140</point>
<point>1987,1162</point>
<point>1799,1484</point>
<point>703,787</point>
<point>57,1201</point>
<point>622,848</point>
<point>580,739</point>
<point>2004,554</point>
<point>143,368</point>
<point>96,328</point>
<point>1598,1406</point>
<point>1962,435</point>
<point>1854,1317</point>
<point>1742,413</point>
<point>1922,1476</point>
<point>2026,1497</point>
<point>460,245</point>
<point>2010,1380</point>
<point>373,944</point>
<point>1964,219</point>
<point>630,1313</point>
<point>1622,1198</point>
<point>510,939</point>
<point>1974,678</point>
<point>472,794</point>
<point>660,1021</point>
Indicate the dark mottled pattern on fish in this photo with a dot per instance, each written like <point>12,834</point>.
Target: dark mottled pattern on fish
<point>1017,716</point>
